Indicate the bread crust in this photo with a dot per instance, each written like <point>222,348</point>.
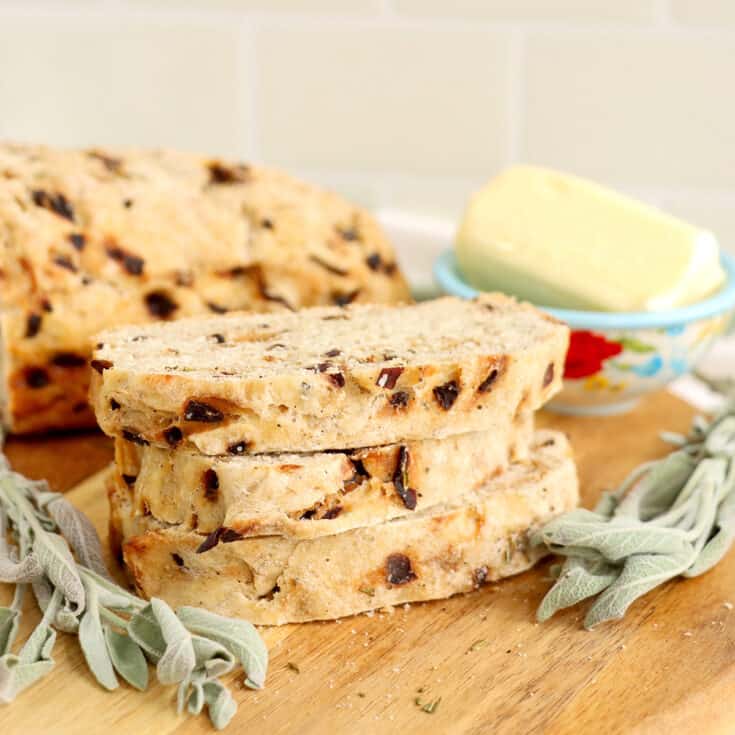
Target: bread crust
<point>91,239</point>
<point>450,548</point>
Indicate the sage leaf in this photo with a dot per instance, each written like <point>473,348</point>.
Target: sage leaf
<point>59,566</point>
<point>222,706</point>
<point>93,643</point>
<point>76,596</point>
<point>43,591</point>
<point>663,483</point>
<point>79,533</point>
<point>66,619</point>
<point>17,675</point>
<point>237,636</point>
<point>114,600</point>
<point>13,571</point>
<point>40,642</point>
<point>670,517</point>
<point>145,630</point>
<point>712,552</point>
<point>578,580</point>
<point>720,442</point>
<point>615,539</point>
<point>640,574</point>
<point>719,544</point>
<point>182,695</point>
<point>179,659</point>
<point>9,621</point>
<point>212,657</point>
<point>607,504</point>
<point>18,572</point>
<point>111,595</point>
<point>33,662</point>
<point>195,702</point>
<point>128,659</point>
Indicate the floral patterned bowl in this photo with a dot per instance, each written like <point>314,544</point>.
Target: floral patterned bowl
<point>616,357</point>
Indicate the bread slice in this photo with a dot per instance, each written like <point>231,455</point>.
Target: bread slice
<point>328,377</point>
<point>97,238</point>
<point>315,494</point>
<point>440,551</point>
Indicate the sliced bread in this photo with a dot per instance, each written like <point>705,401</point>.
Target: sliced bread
<point>328,377</point>
<point>434,553</point>
<point>318,493</point>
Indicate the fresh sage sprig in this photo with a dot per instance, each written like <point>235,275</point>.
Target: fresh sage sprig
<point>671,517</point>
<point>50,549</point>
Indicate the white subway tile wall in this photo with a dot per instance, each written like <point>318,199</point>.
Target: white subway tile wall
<point>400,104</point>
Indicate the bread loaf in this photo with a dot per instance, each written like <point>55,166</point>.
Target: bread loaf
<point>96,238</point>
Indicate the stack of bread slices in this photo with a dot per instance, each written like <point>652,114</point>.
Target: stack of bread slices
<point>300,466</point>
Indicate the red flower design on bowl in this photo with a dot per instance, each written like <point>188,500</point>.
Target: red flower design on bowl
<point>587,352</point>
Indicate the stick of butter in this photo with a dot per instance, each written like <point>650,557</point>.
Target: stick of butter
<point>560,241</point>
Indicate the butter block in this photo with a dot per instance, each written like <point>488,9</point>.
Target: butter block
<point>558,240</point>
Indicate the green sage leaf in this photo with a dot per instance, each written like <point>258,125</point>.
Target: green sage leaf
<point>222,706</point>
<point>195,702</point>
<point>94,646</point>
<point>662,484</point>
<point>66,619</point>
<point>79,533</point>
<point>128,659</point>
<point>720,442</point>
<point>40,642</point>
<point>722,540</point>
<point>59,566</point>
<point>19,572</point>
<point>33,662</point>
<point>113,596</point>
<point>712,552</point>
<point>212,657</point>
<point>17,675</point>
<point>179,659</point>
<point>614,540</point>
<point>237,636</point>
<point>578,580</point>
<point>9,621</point>
<point>640,574</point>
<point>145,630</point>
<point>670,517</point>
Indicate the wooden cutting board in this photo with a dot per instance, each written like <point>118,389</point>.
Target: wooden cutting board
<point>668,667</point>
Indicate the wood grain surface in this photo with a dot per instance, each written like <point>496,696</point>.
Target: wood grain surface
<point>669,667</point>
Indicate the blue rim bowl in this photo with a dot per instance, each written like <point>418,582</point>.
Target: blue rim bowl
<point>448,277</point>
